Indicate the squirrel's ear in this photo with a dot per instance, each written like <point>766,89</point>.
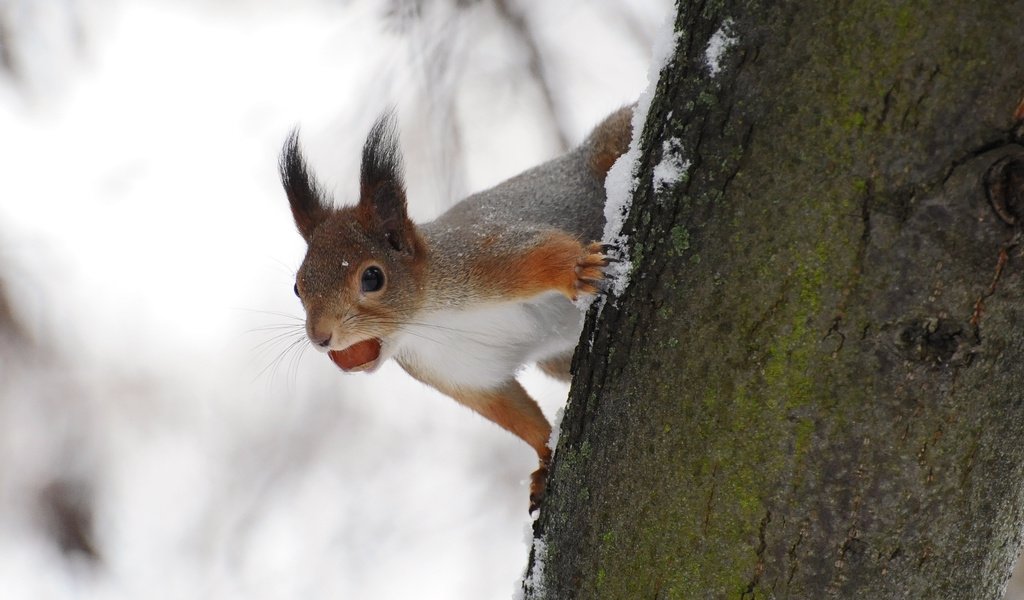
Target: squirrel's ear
<point>304,193</point>
<point>381,188</point>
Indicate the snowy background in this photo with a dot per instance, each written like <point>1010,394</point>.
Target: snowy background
<point>161,435</point>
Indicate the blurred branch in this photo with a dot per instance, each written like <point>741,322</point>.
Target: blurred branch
<point>65,502</point>
<point>7,61</point>
<point>433,34</point>
<point>40,42</point>
<point>67,508</point>
<point>518,24</point>
<point>9,327</point>
<point>399,14</point>
<point>441,75</point>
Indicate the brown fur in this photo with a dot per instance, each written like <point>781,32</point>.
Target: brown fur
<point>559,367</point>
<point>511,408</point>
<point>555,262</point>
<point>610,140</point>
<point>516,241</point>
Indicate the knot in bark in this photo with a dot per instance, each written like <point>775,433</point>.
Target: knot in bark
<point>1004,188</point>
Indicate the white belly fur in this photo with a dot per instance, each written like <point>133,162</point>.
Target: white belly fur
<point>482,348</point>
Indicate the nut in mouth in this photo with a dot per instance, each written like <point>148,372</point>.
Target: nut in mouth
<point>361,356</point>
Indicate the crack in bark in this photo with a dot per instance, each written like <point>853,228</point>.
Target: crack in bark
<point>697,9</point>
<point>846,547</point>
<point>865,219</point>
<point>744,147</point>
<point>794,562</point>
<point>915,107</point>
<point>979,304</point>
<point>886,104</point>
<point>969,459</point>
<point>926,555</point>
<point>775,306</point>
<point>762,546</point>
<point>891,557</point>
<point>852,544</point>
<point>711,498</point>
<point>835,329</point>
<point>732,86</point>
<point>1009,138</point>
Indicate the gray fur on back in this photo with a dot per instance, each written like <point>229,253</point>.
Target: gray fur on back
<point>562,193</point>
<point>501,223</point>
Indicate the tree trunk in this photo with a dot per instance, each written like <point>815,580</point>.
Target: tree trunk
<point>813,386</point>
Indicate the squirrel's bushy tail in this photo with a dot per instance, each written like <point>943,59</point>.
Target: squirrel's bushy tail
<point>609,140</point>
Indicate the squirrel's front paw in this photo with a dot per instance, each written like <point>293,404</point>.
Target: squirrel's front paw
<point>590,269</point>
<point>558,262</point>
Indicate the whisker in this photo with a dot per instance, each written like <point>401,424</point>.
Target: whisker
<point>296,360</point>
<point>287,333</point>
<point>434,326</point>
<point>406,326</point>
<point>288,326</point>
<point>272,343</point>
<point>289,352</point>
<point>273,365</point>
<point>273,313</point>
<point>368,321</point>
<point>421,336</point>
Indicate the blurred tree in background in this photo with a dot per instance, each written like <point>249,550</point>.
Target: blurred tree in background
<point>161,431</point>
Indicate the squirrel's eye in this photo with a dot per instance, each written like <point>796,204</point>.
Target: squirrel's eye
<point>296,290</point>
<point>373,279</point>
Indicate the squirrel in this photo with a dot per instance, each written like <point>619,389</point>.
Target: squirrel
<point>464,301</point>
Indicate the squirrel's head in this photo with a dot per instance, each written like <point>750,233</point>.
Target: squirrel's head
<point>363,270</point>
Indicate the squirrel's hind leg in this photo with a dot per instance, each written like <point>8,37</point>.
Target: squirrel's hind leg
<point>558,367</point>
<point>513,409</point>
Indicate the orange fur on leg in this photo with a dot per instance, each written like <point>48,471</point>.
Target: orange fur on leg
<point>513,409</point>
<point>555,262</point>
<point>558,367</point>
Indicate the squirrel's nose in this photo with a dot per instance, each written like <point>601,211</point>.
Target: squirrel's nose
<point>322,339</point>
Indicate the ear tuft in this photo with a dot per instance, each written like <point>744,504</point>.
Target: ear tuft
<point>305,196</point>
<point>382,158</point>
<point>382,203</point>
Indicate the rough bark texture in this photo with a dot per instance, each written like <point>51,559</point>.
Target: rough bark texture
<point>814,385</point>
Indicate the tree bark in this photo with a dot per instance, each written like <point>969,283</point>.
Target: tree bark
<point>813,386</point>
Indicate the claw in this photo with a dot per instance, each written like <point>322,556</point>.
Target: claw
<point>590,270</point>
<point>538,485</point>
<point>592,286</point>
